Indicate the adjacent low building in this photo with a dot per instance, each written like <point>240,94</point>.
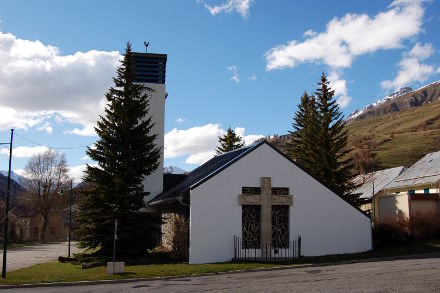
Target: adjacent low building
<point>414,191</point>
<point>373,183</point>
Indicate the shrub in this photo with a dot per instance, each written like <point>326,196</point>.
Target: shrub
<point>180,237</point>
<point>401,230</point>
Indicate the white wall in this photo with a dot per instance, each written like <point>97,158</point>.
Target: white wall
<point>390,207</point>
<point>326,223</point>
<point>154,182</point>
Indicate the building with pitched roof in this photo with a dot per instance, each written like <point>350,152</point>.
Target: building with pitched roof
<point>414,191</point>
<point>373,183</point>
<point>255,202</point>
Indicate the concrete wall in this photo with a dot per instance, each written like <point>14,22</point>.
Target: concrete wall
<point>326,223</point>
<point>423,206</point>
<point>390,207</point>
<point>154,182</point>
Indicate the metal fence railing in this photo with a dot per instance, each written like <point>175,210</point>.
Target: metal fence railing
<point>267,252</point>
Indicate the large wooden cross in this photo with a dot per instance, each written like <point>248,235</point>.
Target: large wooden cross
<point>266,200</point>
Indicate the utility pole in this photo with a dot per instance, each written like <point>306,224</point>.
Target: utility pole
<point>373,212</point>
<point>70,214</point>
<point>5,237</point>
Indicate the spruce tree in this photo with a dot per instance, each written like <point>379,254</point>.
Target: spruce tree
<point>229,142</point>
<point>334,166</point>
<point>125,153</point>
<point>301,146</point>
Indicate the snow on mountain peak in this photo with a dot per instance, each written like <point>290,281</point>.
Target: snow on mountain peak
<point>173,170</point>
<point>391,96</point>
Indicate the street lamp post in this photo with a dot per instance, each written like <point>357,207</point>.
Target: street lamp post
<point>70,214</point>
<point>5,237</point>
<point>61,191</point>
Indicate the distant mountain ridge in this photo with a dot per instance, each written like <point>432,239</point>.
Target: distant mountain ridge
<point>17,178</point>
<point>397,130</point>
<point>15,188</point>
<point>173,170</point>
<point>401,100</point>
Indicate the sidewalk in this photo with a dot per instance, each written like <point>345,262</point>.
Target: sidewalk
<point>29,255</point>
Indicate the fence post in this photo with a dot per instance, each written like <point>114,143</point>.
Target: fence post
<point>235,256</point>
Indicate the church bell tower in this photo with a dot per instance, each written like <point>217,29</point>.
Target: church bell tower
<point>150,70</point>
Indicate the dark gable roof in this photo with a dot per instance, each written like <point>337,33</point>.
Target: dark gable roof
<point>203,173</point>
<point>217,164</point>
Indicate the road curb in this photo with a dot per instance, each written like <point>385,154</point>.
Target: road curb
<point>166,278</point>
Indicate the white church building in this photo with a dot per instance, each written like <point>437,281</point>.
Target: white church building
<point>253,201</point>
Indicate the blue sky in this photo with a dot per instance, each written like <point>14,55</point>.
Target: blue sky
<point>231,63</point>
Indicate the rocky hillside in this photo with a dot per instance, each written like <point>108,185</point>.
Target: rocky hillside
<point>402,100</point>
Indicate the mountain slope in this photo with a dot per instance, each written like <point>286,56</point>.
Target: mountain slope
<point>402,100</point>
<point>15,188</point>
<point>393,139</point>
<point>399,138</point>
<point>17,178</point>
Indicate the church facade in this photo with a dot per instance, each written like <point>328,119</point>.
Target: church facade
<point>259,196</point>
<point>251,200</point>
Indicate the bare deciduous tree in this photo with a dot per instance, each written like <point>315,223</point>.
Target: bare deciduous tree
<point>45,174</point>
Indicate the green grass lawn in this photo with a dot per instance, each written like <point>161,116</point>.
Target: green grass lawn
<point>66,272</point>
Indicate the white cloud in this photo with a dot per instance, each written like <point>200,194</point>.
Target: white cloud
<point>350,36</point>
<point>39,83</point>
<point>198,143</point>
<point>196,140</point>
<point>200,158</point>
<point>24,151</point>
<point>253,77</point>
<point>309,33</point>
<point>234,71</point>
<point>49,129</point>
<point>46,127</point>
<point>240,6</point>
<point>339,85</point>
<point>438,70</point>
<point>19,172</point>
<point>421,52</point>
<point>88,130</point>
<point>248,139</point>
<point>85,158</point>
<point>180,120</point>
<point>77,172</point>
<point>411,69</point>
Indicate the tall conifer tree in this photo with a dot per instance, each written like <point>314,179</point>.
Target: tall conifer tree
<point>334,168</point>
<point>125,153</point>
<point>229,142</point>
<point>302,146</point>
<point>319,141</point>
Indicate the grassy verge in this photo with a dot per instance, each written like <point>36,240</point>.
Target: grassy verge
<point>66,272</point>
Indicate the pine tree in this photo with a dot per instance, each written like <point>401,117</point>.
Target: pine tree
<point>334,166</point>
<point>229,142</point>
<point>302,146</point>
<point>125,153</point>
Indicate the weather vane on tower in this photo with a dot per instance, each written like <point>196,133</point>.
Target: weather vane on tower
<point>146,46</point>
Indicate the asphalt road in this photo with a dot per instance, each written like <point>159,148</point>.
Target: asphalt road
<point>415,275</point>
<point>29,255</point>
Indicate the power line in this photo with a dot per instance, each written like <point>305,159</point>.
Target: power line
<point>51,147</point>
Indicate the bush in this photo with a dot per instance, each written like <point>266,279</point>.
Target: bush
<point>401,230</point>
<point>180,238</point>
